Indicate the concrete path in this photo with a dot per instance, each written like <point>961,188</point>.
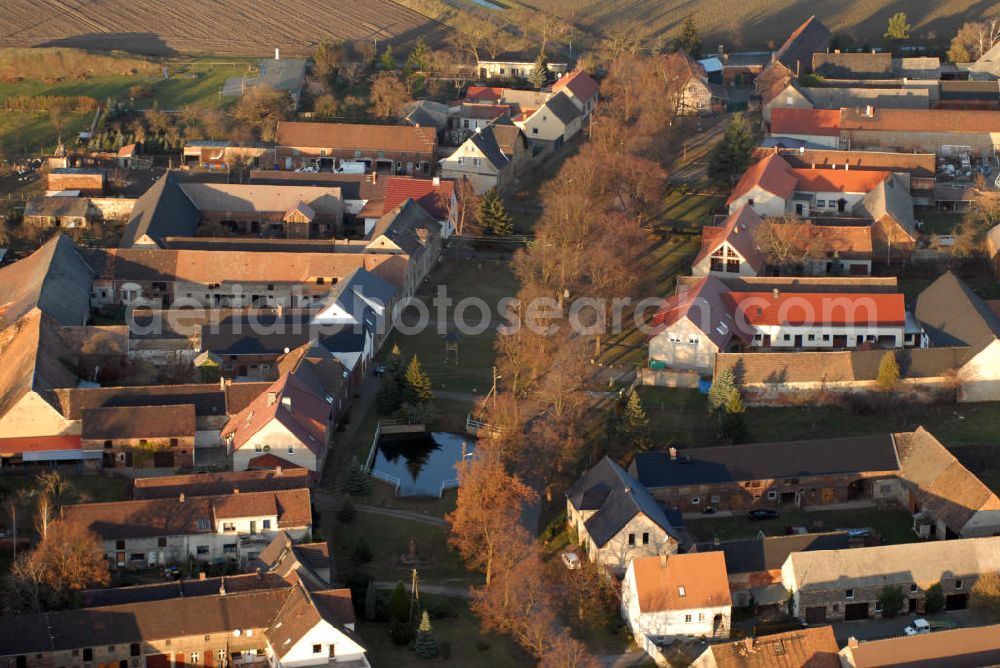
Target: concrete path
<point>402,514</point>
<point>634,657</point>
<point>428,588</point>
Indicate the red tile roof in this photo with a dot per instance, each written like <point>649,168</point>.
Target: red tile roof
<point>820,122</point>
<point>839,180</point>
<point>772,174</point>
<point>434,199</point>
<point>922,120</point>
<point>485,111</point>
<point>484,94</point>
<point>270,461</point>
<point>581,84</point>
<point>738,230</point>
<point>684,582</point>
<point>836,309</point>
<point>289,401</point>
<point>21,445</point>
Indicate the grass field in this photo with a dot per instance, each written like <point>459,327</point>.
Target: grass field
<point>893,525</point>
<point>753,24</point>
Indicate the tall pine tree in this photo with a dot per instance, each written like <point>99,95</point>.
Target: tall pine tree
<point>539,75</point>
<point>690,38</point>
<point>418,388</point>
<point>493,215</point>
<point>425,645</point>
<point>732,155</point>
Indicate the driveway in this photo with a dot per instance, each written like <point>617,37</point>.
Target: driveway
<point>879,629</point>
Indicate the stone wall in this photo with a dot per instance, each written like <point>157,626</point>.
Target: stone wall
<point>116,209</point>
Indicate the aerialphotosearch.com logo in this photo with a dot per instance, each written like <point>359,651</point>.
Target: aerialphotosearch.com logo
<point>236,313</point>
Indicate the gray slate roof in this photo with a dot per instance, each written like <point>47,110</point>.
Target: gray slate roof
<point>765,461</point>
<point>162,211</point>
<point>754,555</point>
<point>486,141</point>
<point>953,315</point>
<point>562,106</point>
<point>617,497</point>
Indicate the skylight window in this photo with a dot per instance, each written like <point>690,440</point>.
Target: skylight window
<point>681,592</point>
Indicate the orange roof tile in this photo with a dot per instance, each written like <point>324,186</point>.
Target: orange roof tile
<point>20,445</point>
<point>581,84</point>
<point>348,136</point>
<point>922,120</point>
<point>822,122</point>
<point>434,198</point>
<point>772,174</point>
<point>839,180</point>
<point>684,582</point>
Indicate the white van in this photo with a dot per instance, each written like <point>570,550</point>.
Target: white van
<point>352,167</point>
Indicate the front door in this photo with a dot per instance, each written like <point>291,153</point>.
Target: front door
<point>798,340</point>
<point>253,526</point>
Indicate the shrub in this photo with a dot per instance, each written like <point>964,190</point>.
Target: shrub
<point>934,600</point>
<point>891,599</point>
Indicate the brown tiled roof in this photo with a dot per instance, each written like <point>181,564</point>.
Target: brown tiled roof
<point>809,38</point>
<point>944,487</point>
<point>352,186</point>
<point>207,398</point>
<point>582,85</point>
<point>738,230</point>
<point>872,284</point>
<point>212,484</point>
<point>916,164</point>
<point>686,581</point>
<point>54,278</point>
<point>434,198</point>
<point>174,589</point>
<point>290,402</point>
<point>173,517</point>
<point>805,648</point>
<point>131,422</point>
<point>818,122</point>
<point>954,315</point>
<point>974,646</point>
<point>337,603</point>
<point>836,65</point>
<point>795,367</point>
<point>774,79</point>
<point>350,136</point>
<point>35,359</point>
<point>921,120</point>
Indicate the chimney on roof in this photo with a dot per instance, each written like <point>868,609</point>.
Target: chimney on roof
<point>277,470</point>
<point>272,398</point>
<point>721,51</point>
<point>716,541</point>
<point>852,642</point>
<point>869,111</point>
<point>277,53</point>
<point>847,166</point>
<point>181,497</point>
<point>236,490</point>
<point>663,560</point>
<point>776,293</point>
<point>286,402</point>
<point>673,453</point>
<point>201,575</point>
<point>222,383</point>
<point>422,235</point>
<point>436,181</point>
<point>222,587</point>
<point>287,350</point>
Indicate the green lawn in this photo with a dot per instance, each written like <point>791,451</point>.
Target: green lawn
<point>466,644</point>
<point>893,525</point>
<point>389,538</point>
<point>688,210</point>
<point>939,222</point>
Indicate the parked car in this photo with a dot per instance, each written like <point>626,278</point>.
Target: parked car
<point>918,627</point>
<point>571,560</point>
<point>379,370</point>
<point>763,514</point>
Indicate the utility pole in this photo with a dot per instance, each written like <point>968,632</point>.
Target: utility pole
<point>493,390</point>
<point>414,592</point>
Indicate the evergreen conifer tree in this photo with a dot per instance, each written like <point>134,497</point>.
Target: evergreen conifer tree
<point>418,388</point>
<point>426,645</point>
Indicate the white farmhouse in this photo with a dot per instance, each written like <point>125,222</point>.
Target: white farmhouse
<point>666,598</point>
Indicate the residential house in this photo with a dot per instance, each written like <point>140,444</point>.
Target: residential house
<point>141,534</point>
<point>954,316</point>
<point>65,212</point>
<point>557,121</point>
<point>863,65</point>
<point>409,231</point>
<point>707,318</point>
<point>385,149</point>
<point>741,68</point>
<point>939,131</point>
<point>86,181</point>
<point>946,499</point>
<point>733,248</point>
<point>796,53</point>
<point>218,483</point>
<point>276,627</point>
<point>514,66</point>
<point>513,144</point>
<point>141,436</point>
<point>426,113</point>
<point>473,117</point>
<point>921,167</point>
<point>962,95</point>
<point>965,647</point>
<point>815,128</point>
<point>359,300</point>
<point>671,597</point>
<point>814,647</point>
<point>289,422</point>
<point>308,563</point>
<point>698,95</point>
<point>437,197</point>
<point>616,519</point>
<point>768,475</point>
<point>582,90</point>
<point>797,96</point>
<point>753,565</point>
<point>217,154</point>
<point>845,585</point>
<point>357,190</point>
<point>323,372</point>
<point>480,160</point>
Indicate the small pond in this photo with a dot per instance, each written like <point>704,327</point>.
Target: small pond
<point>421,462</point>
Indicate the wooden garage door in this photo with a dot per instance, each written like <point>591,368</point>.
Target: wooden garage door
<point>853,611</point>
<point>956,602</point>
<point>816,615</point>
<point>158,661</point>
